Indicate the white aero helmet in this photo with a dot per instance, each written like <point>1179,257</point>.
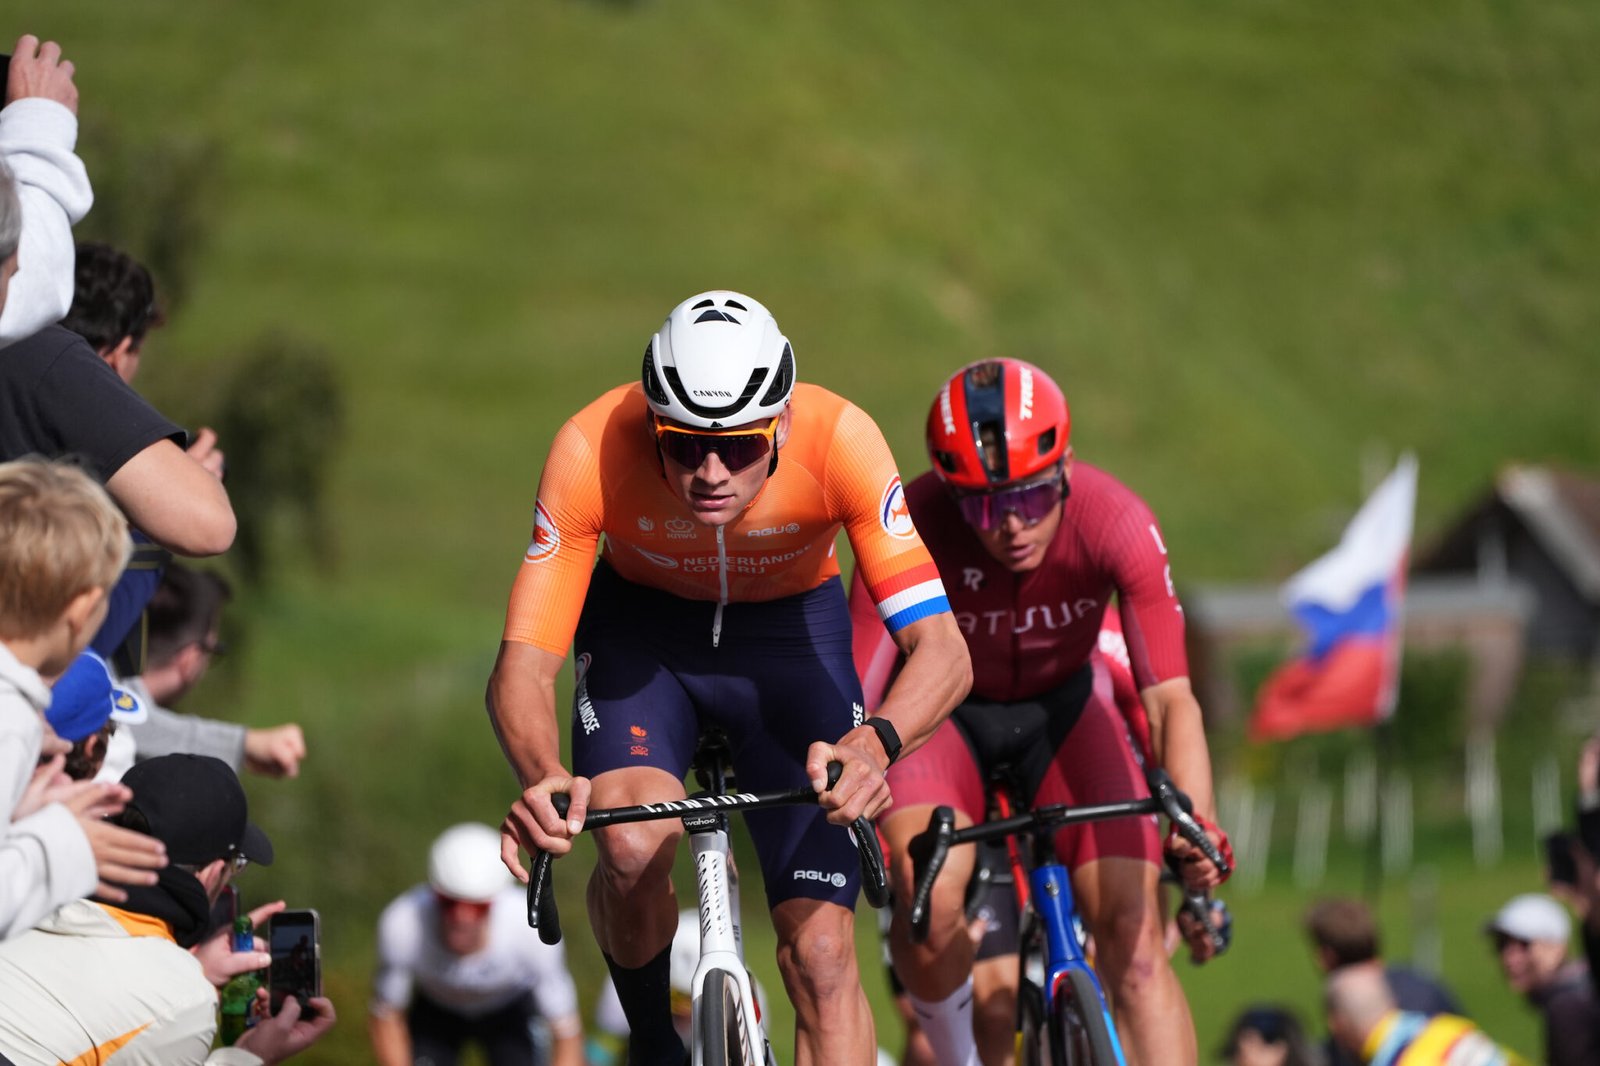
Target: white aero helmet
<point>464,863</point>
<point>719,360</point>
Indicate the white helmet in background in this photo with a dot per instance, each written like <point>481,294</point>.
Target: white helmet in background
<point>719,360</point>
<point>464,863</point>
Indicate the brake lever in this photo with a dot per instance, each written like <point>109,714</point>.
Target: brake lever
<point>542,914</point>
<point>928,851</point>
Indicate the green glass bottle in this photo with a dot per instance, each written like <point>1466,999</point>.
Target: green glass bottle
<point>239,994</point>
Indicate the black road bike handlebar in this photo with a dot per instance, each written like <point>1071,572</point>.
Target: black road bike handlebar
<point>930,848</point>
<point>542,913</point>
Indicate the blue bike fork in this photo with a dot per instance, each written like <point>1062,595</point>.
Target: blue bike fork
<point>1052,898</point>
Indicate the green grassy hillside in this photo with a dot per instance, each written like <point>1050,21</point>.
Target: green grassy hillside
<point>1257,243</point>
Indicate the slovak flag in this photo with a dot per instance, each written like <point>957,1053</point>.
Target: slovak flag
<point>1349,602</point>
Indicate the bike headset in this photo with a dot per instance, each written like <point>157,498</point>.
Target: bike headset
<point>995,423</point>
<point>719,360</point>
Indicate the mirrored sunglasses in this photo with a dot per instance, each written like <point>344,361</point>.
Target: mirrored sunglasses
<point>1031,503</point>
<point>737,450</point>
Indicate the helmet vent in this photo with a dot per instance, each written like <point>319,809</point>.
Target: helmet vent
<point>714,315</point>
<point>703,303</point>
<point>782,381</point>
<point>946,461</point>
<point>734,303</point>
<point>1047,440</point>
<point>652,382</point>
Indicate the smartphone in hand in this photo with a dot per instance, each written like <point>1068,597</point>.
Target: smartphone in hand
<point>295,940</point>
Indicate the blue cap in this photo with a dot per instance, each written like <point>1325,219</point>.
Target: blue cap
<point>85,697</point>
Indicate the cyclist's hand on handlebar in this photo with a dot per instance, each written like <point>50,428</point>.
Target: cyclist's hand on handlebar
<point>1201,938</point>
<point>862,789</point>
<point>1199,873</point>
<point>533,822</point>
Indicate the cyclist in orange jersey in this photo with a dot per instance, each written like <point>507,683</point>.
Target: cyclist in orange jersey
<point>720,486</point>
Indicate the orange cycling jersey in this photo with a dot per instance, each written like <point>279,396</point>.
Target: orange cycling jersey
<point>603,475</point>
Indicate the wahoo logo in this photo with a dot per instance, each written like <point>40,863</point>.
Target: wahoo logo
<point>894,514</point>
<point>546,537</point>
<point>834,879</point>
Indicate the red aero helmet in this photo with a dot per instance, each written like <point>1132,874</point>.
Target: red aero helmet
<point>995,422</point>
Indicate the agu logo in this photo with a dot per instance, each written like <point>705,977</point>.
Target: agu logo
<point>546,537</point>
<point>894,513</point>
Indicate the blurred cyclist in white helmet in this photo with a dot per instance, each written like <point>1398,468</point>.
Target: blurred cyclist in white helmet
<point>458,965</point>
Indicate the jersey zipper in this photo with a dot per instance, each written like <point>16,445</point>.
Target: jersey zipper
<point>722,580</point>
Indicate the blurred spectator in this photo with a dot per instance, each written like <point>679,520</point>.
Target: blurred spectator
<point>62,544</point>
<point>1531,934</point>
<point>85,707</point>
<point>113,308</point>
<point>38,131</point>
<point>1267,1035</point>
<point>1366,1024</point>
<point>1344,934</point>
<point>457,965</point>
<point>1585,851</point>
<point>183,637</point>
<point>95,979</point>
<point>57,397</point>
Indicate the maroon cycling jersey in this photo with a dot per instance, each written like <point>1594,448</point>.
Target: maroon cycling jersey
<point>1029,632</point>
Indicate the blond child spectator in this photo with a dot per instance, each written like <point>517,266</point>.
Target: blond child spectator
<point>62,544</point>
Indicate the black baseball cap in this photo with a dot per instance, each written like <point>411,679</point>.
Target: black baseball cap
<point>195,805</point>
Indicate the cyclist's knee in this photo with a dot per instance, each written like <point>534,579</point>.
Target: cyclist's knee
<point>637,855</point>
<point>1131,948</point>
<point>820,963</point>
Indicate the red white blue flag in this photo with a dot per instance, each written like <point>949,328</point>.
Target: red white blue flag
<point>1349,603</point>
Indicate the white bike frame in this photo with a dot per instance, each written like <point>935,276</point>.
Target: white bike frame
<point>722,943</point>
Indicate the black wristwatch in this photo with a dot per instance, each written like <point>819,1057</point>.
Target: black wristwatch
<point>887,734</point>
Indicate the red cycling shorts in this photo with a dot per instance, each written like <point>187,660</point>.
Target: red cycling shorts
<point>1069,745</point>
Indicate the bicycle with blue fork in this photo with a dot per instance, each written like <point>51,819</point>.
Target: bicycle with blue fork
<point>1062,1015</point>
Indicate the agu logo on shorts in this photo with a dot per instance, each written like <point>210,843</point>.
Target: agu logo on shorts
<point>546,537</point>
<point>894,513</point>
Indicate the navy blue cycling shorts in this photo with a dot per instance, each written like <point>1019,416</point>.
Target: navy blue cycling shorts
<point>781,677</point>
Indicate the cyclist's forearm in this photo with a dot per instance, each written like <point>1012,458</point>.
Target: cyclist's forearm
<point>1178,740</point>
<point>391,1040</point>
<point>936,677</point>
<point>521,701</point>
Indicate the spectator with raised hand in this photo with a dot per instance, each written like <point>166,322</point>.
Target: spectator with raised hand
<point>62,544</point>
<point>114,308</point>
<point>96,979</point>
<point>38,132</point>
<point>183,637</point>
<point>57,397</point>
<point>1531,935</point>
